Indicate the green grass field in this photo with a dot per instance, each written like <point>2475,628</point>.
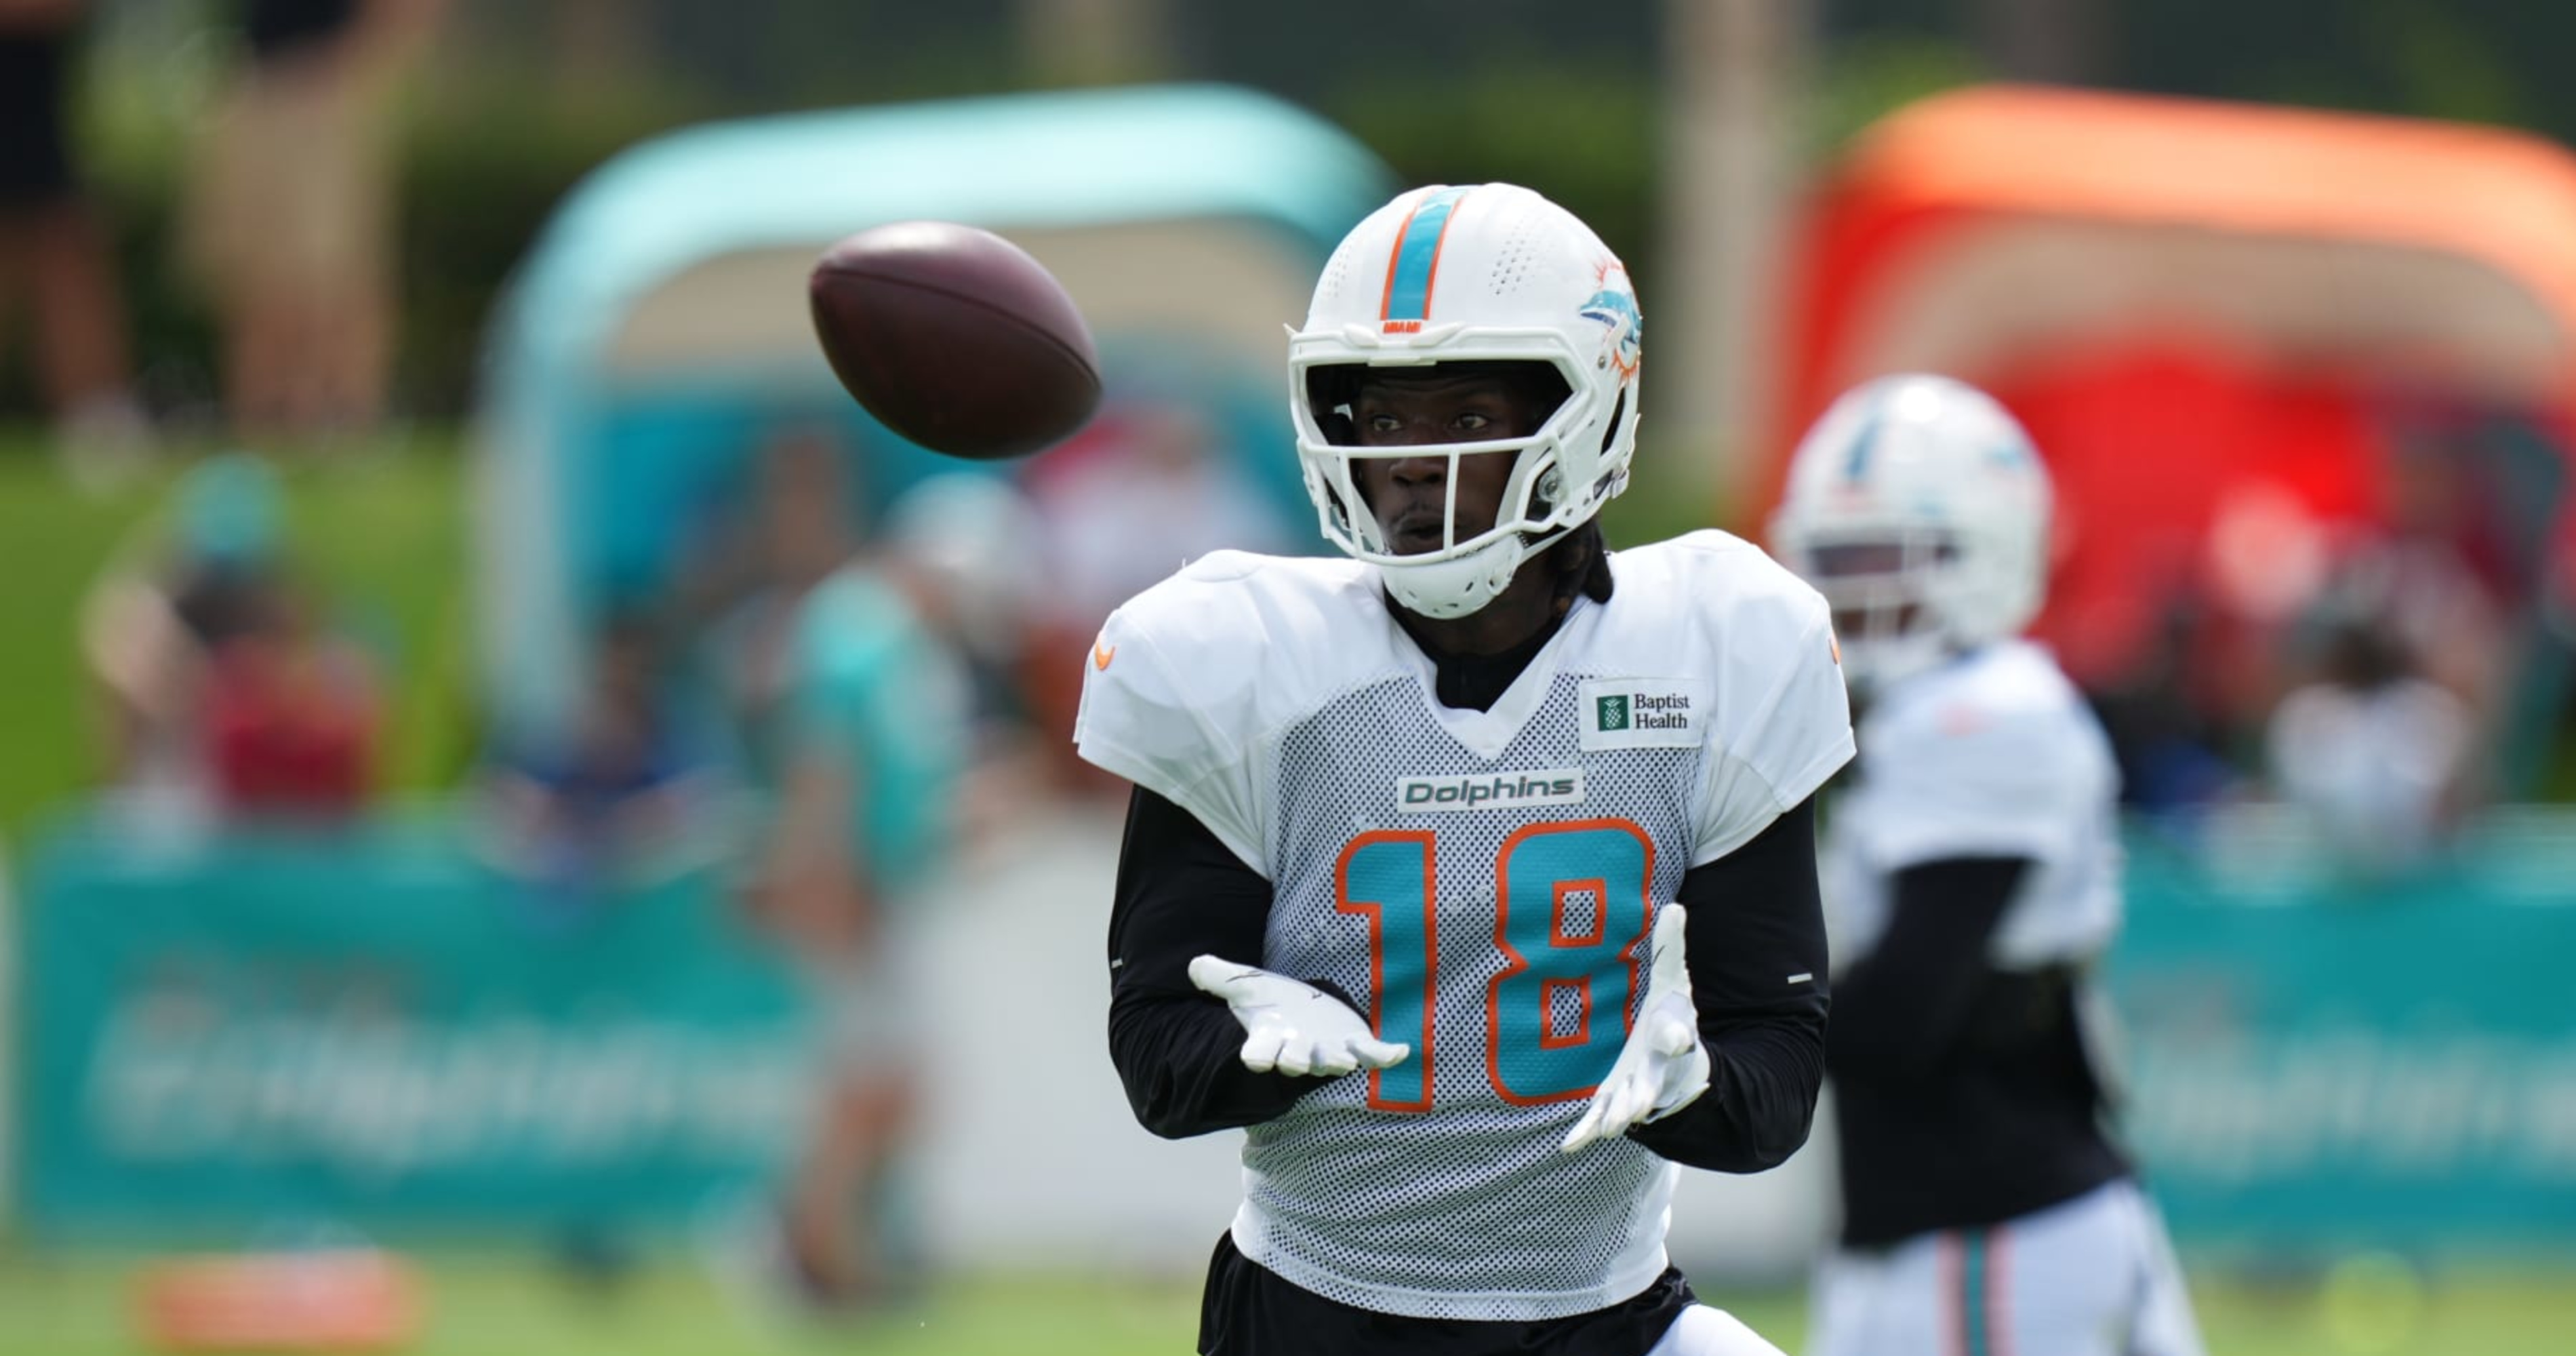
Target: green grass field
<point>492,1305</point>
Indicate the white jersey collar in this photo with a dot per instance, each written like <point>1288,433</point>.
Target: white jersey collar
<point>1487,733</point>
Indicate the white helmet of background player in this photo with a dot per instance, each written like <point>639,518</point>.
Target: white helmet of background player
<point>1919,508</point>
<point>1488,273</point>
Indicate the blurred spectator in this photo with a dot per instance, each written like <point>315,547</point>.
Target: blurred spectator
<point>288,215</point>
<point>148,626</point>
<point>970,553</point>
<point>1148,488</point>
<point>853,722</point>
<point>2441,582</point>
<point>1144,490</point>
<point>2374,751</point>
<point>291,717</point>
<point>220,684</point>
<point>626,792</point>
<point>2171,747</point>
<point>53,251</point>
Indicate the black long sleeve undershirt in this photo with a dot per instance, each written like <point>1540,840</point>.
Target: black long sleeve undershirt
<point>1180,894</point>
<point>1906,1005</point>
<point>1964,1092</point>
<point>1756,919</point>
<point>1755,922</point>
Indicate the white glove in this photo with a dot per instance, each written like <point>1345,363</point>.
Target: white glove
<point>1292,1027</point>
<point>1663,1067</point>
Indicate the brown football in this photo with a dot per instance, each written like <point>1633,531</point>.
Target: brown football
<point>955,338</point>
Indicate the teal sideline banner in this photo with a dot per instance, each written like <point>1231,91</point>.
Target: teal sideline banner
<point>2322,1063</point>
<point>375,1031</point>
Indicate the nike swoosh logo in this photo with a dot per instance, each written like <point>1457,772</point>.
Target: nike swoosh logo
<point>1102,654</point>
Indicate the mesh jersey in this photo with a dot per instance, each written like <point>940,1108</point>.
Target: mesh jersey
<point>1482,884</point>
<point>1994,755</point>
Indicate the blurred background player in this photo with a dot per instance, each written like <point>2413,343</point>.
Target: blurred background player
<point>852,724</point>
<point>1973,875</point>
<point>972,553</point>
<point>1453,783</point>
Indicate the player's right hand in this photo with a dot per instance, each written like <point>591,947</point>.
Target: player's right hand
<point>1293,1027</point>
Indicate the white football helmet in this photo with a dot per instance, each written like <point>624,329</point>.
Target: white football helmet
<point>1919,508</point>
<point>1487,273</point>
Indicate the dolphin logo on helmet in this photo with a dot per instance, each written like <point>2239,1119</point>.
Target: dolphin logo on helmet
<point>1615,309</point>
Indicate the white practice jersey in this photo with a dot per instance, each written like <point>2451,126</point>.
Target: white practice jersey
<point>1482,883</point>
<point>1992,755</point>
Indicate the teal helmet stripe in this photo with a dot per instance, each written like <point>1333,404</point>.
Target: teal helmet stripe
<point>1417,257</point>
<point>1867,443</point>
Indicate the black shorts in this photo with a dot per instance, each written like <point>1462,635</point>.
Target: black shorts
<point>35,136</point>
<point>1249,1310</point>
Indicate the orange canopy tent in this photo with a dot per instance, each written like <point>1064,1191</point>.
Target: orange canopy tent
<point>2195,307</point>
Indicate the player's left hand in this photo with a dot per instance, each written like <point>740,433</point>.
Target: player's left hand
<point>1663,1067</point>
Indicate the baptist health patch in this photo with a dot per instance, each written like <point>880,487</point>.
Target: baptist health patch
<point>1644,713</point>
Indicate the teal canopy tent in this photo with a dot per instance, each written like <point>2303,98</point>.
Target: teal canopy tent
<point>660,321</point>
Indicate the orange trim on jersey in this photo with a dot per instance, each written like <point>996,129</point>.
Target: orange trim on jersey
<point>1582,1034</point>
<point>1556,933</point>
<point>1375,912</point>
<point>1515,963</point>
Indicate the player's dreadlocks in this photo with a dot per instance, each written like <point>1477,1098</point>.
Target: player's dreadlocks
<point>1582,565</point>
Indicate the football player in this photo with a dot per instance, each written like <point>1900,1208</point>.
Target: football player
<point>852,716</point>
<point>1973,875</point>
<point>1412,837</point>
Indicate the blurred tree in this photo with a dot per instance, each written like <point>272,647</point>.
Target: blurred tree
<point>1573,99</point>
<point>1097,42</point>
<point>2443,66</point>
<point>1583,133</point>
<point>1864,78</point>
<point>1324,52</point>
<point>2479,60</point>
<point>2059,41</point>
<point>596,43</point>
